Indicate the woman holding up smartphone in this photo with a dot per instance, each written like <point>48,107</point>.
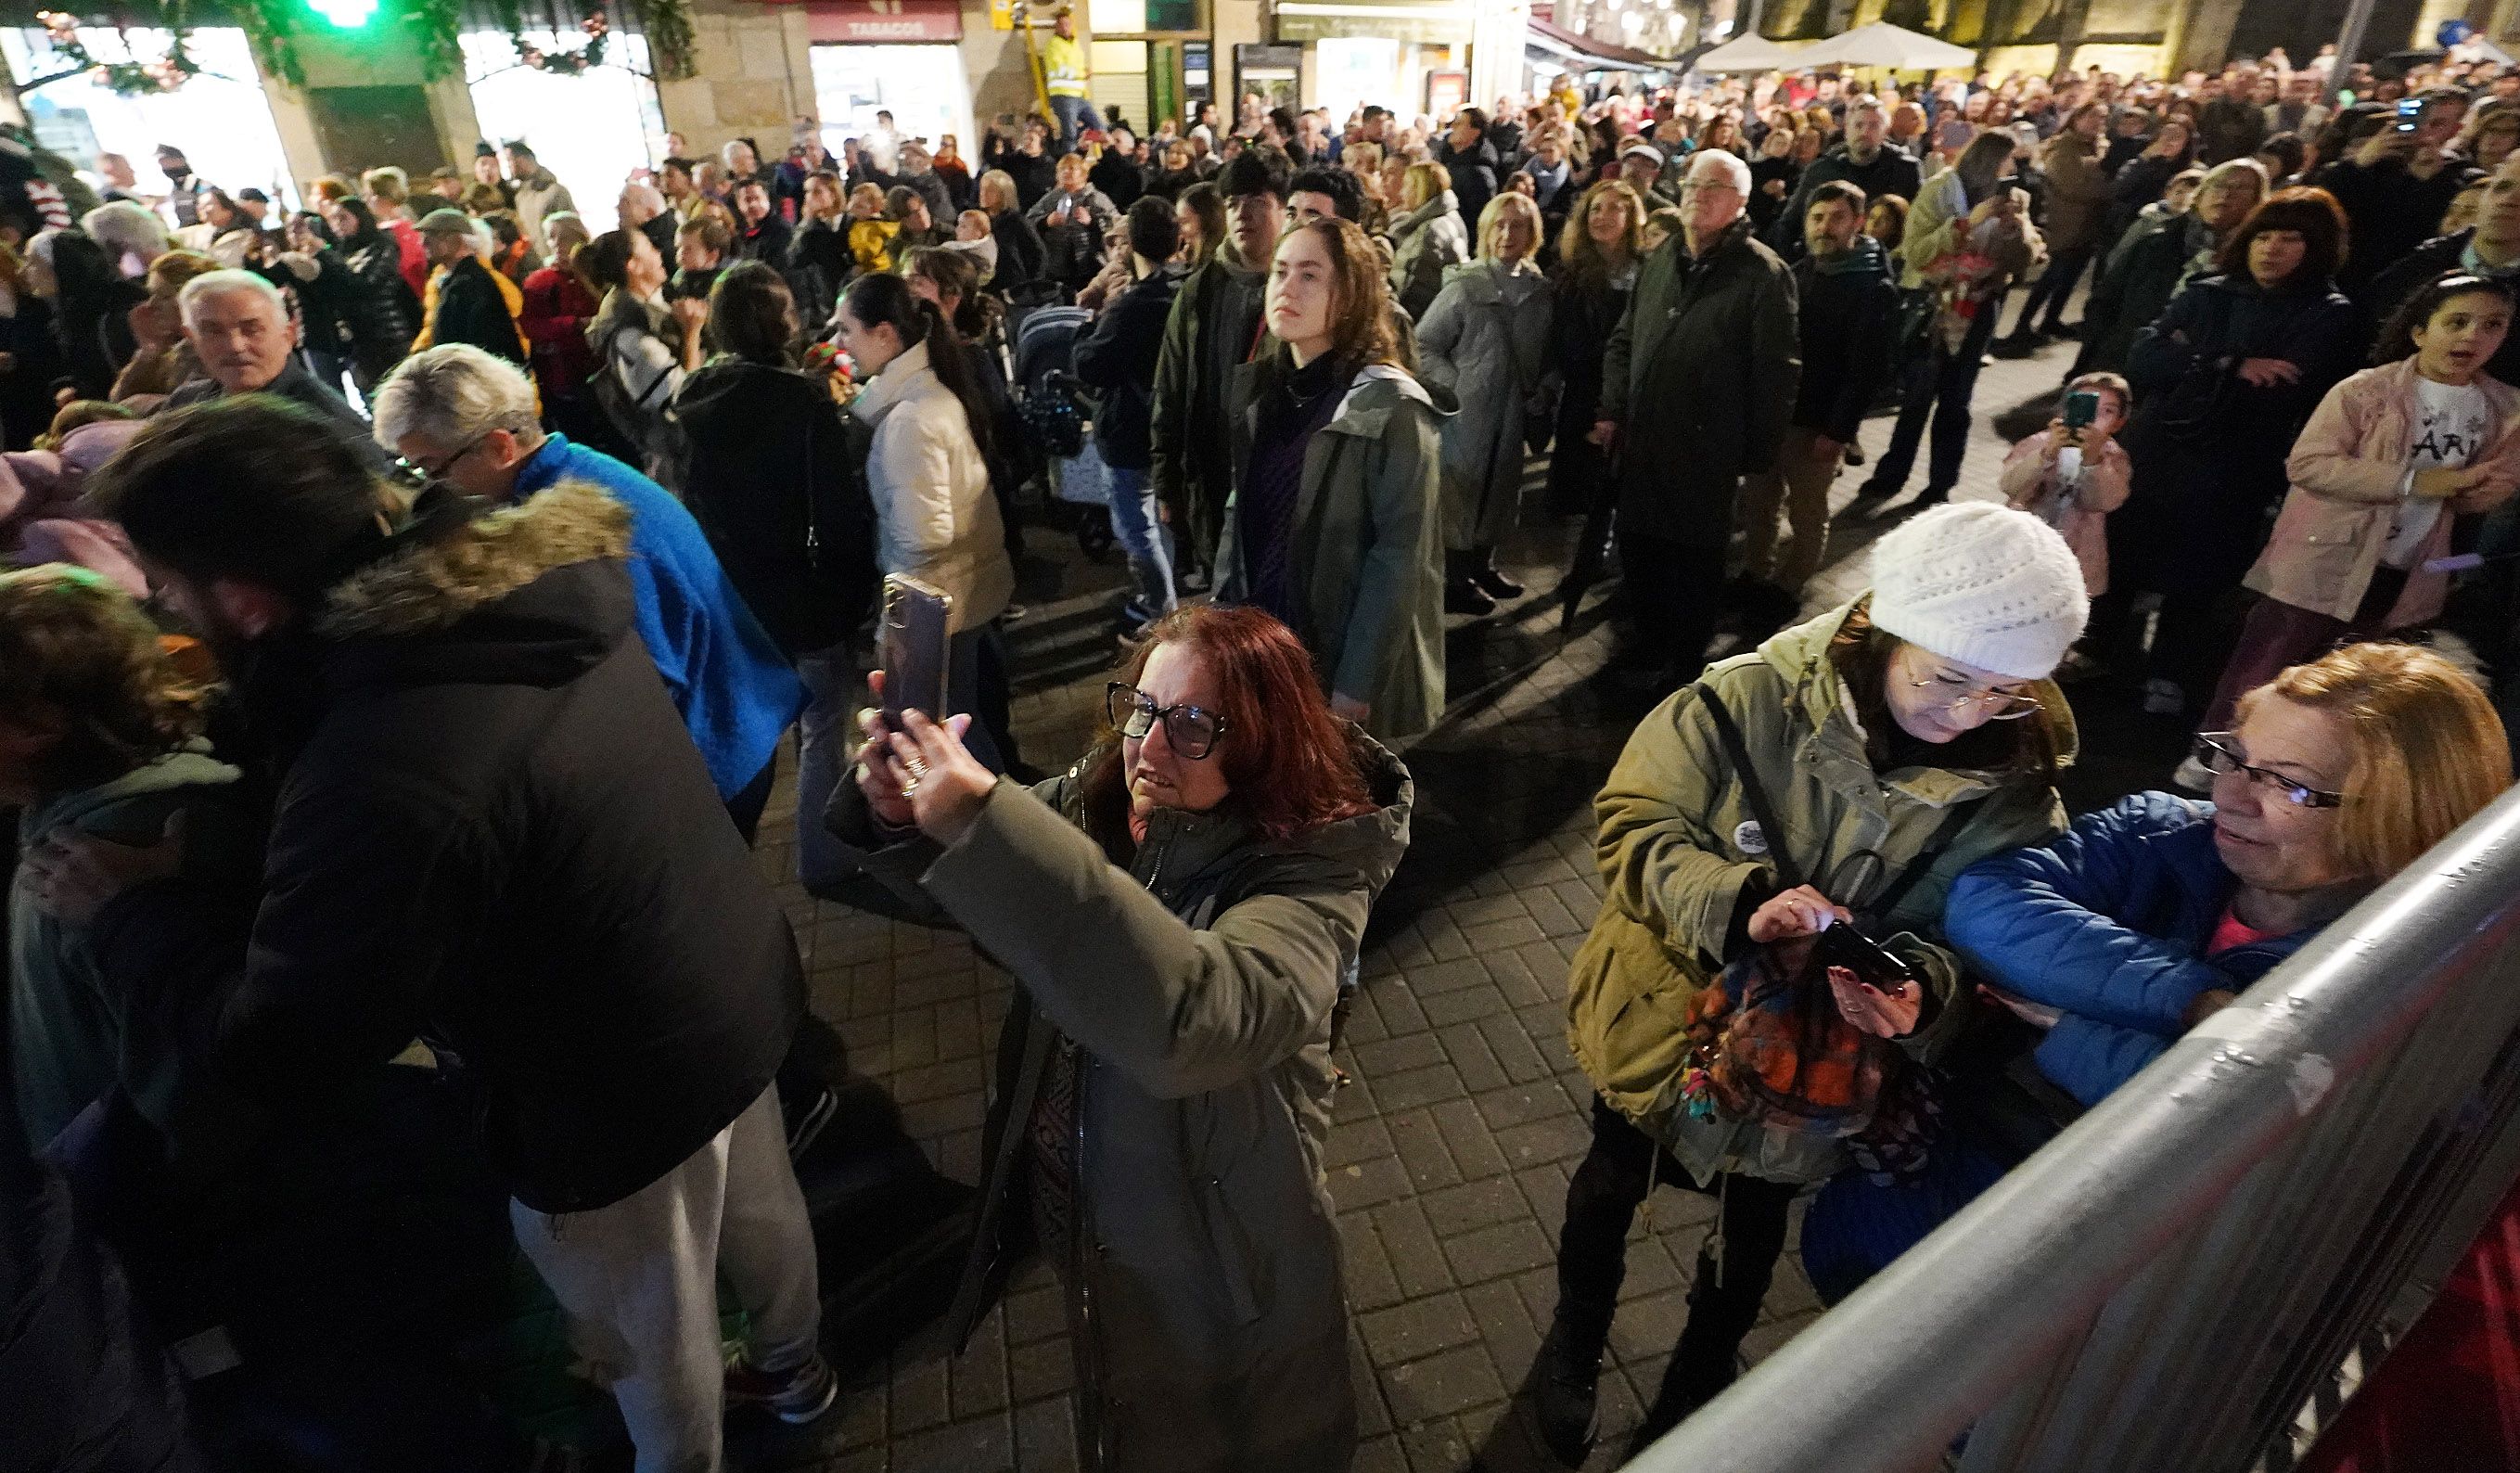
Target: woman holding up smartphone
<point>1181,910</point>
<point>1893,742</point>
<point>929,473</point>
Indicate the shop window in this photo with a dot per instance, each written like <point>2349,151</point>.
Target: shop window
<point>922,86</point>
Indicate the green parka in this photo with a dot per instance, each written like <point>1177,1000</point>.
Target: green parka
<point>1678,843</point>
<point>1195,976</point>
<point>1365,569</point>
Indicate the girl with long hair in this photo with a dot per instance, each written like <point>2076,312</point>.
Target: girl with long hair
<point>643,348</point>
<point>928,472</point>
<point>1341,546</point>
<point>1599,250</point>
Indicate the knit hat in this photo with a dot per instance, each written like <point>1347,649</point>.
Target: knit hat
<point>1983,584</point>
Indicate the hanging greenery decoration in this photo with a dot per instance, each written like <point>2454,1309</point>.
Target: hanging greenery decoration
<point>130,79</point>
<point>563,60</point>
<point>436,28</point>
<point>673,47</point>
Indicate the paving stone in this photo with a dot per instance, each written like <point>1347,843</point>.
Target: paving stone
<point>1366,1182</point>
<point>1416,1329</point>
<point>1415,1259</point>
<point>1371,1281</point>
<point>1046,1436</point>
<point>1045,1367</point>
<point>1495,1252</point>
<point>1418,1087</point>
<point>1441,1385</point>
<point>1473,1147</point>
<point>1472,1060</point>
<point>1399,1056</point>
<point>1473,1205</point>
<point>1423,1151</point>
<point>982,1445</point>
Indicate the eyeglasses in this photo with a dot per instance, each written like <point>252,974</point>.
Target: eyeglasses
<point>437,473</point>
<point>1999,706</point>
<point>2219,752</point>
<point>1193,731</point>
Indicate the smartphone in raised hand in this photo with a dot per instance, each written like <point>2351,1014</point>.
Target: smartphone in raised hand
<point>916,647</point>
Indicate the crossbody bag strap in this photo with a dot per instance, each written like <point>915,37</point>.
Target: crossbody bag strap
<point>1754,793</point>
<point>1954,818</point>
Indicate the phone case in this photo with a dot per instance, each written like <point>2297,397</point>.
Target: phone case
<point>916,647</point>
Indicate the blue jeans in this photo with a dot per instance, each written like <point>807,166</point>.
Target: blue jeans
<point>1075,114</point>
<point>1147,541</point>
<point>823,738</point>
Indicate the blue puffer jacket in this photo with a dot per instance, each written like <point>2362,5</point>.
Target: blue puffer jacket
<point>734,687</point>
<point>2105,923</point>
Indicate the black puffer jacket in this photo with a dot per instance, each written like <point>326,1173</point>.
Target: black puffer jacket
<point>496,835</point>
<point>380,312</point>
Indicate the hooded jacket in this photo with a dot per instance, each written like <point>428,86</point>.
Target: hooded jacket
<point>1206,1301</point>
<point>1213,326</point>
<point>2107,923</point>
<point>1121,359</point>
<point>1678,846</point>
<point>71,1036</point>
<point>1486,338</point>
<point>1425,243</point>
<point>1364,568</point>
<point>494,834</point>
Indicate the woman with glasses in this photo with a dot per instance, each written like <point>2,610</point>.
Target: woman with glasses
<point>1181,909</point>
<point>2145,918</point>
<point>1882,748</point>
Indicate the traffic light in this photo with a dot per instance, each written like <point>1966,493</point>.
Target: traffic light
<point>347,15</point>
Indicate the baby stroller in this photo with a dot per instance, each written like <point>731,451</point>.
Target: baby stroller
<point>1055,412</point>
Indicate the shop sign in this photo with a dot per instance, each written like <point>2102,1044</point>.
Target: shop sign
<point>883,22</point>
<point>1421,24</point>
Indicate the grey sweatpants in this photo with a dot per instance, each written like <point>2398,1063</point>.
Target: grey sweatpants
<point>638,1280</point>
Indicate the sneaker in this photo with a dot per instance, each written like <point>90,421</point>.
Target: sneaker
<point>1496,585</point>
<point>806,1124</point>
<point>1462,597</point>
<point>2192,776</point>
<point>795,1396</point>
<point>2163,697</point>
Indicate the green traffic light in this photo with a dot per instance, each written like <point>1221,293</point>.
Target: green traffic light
<point>348,15</point>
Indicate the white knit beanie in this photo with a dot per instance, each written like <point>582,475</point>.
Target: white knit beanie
<point>1983,584</point>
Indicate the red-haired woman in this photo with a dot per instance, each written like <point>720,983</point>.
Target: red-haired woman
<point>1181,909</point>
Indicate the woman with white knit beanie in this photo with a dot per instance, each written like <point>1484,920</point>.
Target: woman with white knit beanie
<point>1871,754</point>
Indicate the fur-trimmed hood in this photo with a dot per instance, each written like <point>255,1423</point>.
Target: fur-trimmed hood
<point>435,582</point>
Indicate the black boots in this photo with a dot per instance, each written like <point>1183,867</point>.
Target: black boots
<point>1565,1384</point>
<point>1472,585</point>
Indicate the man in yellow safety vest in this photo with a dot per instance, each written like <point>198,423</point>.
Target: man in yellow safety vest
<point>1062,67</point>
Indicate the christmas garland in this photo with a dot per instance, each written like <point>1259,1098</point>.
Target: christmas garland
<point>562,61</point>
<point>436,26</point>
<point>130,79</point>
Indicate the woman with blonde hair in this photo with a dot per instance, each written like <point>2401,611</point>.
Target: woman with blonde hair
<point>1599,250</point>
<point>1427,237</point>
<point>1020,252</point>
<point>1486,338</point>
<point>1354,574</point>
<point>2146,917</point>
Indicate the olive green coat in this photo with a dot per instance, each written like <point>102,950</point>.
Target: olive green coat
<point>1366,571</point>
<point>1678,843</point>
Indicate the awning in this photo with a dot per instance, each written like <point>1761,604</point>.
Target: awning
<point>1586,54</point>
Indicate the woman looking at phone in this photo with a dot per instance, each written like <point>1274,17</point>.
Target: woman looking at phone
<point>2144,918</point>
<point>1179,910</point>
<point>1895,741</point>
<point>929,475</point>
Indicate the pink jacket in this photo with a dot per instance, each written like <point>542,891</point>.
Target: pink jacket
<point>2347,468</point>
<point>2101,490</point>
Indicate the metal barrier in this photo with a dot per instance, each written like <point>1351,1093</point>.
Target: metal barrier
<point>2166,1284</point>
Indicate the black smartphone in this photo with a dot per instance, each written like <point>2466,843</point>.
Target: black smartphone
<point>2410,109</point>
<point>2082,407</point>
<point>918,643</point>
<point>1842,945</point>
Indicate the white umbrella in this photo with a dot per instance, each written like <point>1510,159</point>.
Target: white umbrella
<point>1749,53</point>
<point>1891,46</point>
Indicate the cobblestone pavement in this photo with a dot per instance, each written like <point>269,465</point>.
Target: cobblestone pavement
<point>1450,1152</point>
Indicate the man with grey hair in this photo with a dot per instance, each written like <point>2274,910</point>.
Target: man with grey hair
<point>643,207</point>
<point>238,327</point>
<point>1697,386</point>
<point>464,420</point>
<point>1866,158</point>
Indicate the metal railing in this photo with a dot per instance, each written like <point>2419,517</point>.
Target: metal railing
<point>2166,1283</point>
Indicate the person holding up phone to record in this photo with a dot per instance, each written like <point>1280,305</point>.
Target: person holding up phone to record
<point>2073,474</point>
<point>2397,181</point>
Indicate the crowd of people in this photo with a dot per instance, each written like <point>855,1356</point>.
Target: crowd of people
<point>412,597</point>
